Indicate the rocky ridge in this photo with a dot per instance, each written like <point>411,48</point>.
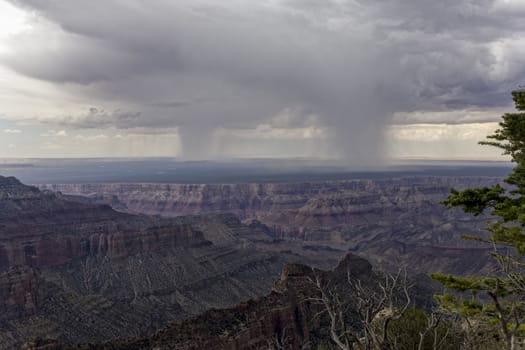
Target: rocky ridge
<point>257,200</point>
<point>41,229</point>
<point>388,220</point>
<point>84,272</point>
<point>288,317</point>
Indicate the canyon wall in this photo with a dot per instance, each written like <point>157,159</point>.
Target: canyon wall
<point>390,221</point>
<point>83,272</point>
<point>42,230</point>
<point>289,317</point>
<point>75,269</point>
<point>251,200</point>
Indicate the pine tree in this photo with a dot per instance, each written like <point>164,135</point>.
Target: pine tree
<point>499,298</point>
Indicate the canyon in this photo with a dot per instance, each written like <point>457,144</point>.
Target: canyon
<point>292,316</point>
<point>84,272</point>
<point>85,263</point>
<point>389,220</point>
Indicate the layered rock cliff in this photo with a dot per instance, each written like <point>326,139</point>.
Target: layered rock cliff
<point>265,200</point>
<point>396,220</point>
<point>84,272</point>
<point>41,229</point>
<point>74,269</point>
<point>290,317</point>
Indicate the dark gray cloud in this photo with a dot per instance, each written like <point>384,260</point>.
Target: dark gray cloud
<point>96,118</point>
<point>171,104</point>
<point>352,64</point>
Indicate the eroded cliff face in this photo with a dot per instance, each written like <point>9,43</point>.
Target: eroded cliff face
<point>83,272</point>
<point>389,221</point>
<point>79,271</point>
<point>41,229</point>
<point>268,200</point>
<point>290,316</point>
<point>20,292</point>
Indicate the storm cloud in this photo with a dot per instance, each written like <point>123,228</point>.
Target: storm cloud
<point>98,119</point>
<point>346,67</point>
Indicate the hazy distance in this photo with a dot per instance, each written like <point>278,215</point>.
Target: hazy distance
<point>170,170</point>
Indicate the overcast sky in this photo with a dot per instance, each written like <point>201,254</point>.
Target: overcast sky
<point>361,80</point>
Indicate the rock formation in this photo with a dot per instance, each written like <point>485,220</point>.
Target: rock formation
<point>74,269</point>
<point>84,272</point>
<point>290,317</point>
<point>396,220</point>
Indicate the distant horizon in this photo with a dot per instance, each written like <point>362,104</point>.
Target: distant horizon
<point>170,170</point>
<point>182,159</point>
